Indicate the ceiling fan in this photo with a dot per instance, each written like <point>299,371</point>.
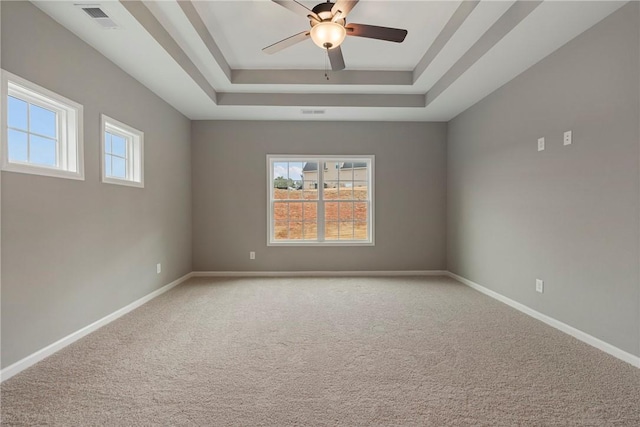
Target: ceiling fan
<point>329,29</point>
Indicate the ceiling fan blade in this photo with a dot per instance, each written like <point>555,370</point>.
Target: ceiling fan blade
<point>343,7</point>
<point>298,8</point>
<point>289,41</point>
<point>374,32</point>
<point>336,59</point>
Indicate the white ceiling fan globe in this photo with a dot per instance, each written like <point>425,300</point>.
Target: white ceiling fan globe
<point>328,35</point>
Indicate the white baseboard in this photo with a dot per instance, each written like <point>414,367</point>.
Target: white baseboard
<point>576,333</point>
<point>39,355</point>
<point>387,273</point>
<point>34,358</point>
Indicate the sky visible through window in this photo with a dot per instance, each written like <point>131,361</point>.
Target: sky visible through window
<point>115,158</point>
<point>32,133</point>
<point>291,170</point>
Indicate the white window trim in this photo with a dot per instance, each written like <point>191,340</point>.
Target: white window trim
<point>135,166</point>
<point>70,125</point>
<point>320,213</point>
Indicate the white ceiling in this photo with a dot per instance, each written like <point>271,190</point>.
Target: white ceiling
<point>205,57</point>
<point>243,28</point>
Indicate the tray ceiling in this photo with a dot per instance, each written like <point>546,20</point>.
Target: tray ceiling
<point>205,57</point>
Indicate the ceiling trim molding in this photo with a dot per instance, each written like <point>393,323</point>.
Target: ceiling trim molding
<point>203,32</point>
<point>455,22</point>
<point>321,100</point>
<point>149,22</point>
<point>317,77</point>
<point>507,22</point>
<point>477,48</point>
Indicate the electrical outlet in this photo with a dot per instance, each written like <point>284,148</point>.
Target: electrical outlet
<point>568,136</point>
<point>540,144</point>
<point>158,268</point>
<point>252,255</point>
<point>539,286</point>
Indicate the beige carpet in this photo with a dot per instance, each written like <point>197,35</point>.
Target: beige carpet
<point>352,352</point>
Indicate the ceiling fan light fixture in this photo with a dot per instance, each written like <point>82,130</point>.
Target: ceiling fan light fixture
<point>328,35</point>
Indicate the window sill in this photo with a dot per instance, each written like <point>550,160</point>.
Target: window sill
<point>347,243</point>
<point>42,170</point>
<point>124,182</point>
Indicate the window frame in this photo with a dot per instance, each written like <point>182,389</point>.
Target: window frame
<point>69,122</point>
<point>274,158</point>
<point>134,163</point>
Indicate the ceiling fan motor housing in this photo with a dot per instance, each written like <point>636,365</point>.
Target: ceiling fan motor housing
<point>323,10</point>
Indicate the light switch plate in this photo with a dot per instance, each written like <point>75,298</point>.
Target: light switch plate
<point>540,144</point>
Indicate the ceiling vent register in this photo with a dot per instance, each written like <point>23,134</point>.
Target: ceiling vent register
<point>99,16</point>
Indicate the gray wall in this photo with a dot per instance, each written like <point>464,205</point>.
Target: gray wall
<point>75,251</point>
<point>568,215</point>
<point>230,196</point>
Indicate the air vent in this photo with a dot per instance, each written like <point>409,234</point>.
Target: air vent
<point>312,112</point>
<point>95,12</point>
<point>98,15</point>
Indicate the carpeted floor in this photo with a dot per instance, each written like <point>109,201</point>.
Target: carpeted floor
<point>325,351</point>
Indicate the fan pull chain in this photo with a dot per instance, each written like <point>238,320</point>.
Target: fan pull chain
<point>326,65</point>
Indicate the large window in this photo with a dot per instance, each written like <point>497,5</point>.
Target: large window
<point>320,200</point>
<point>41,130</point>
<point>122,153</point>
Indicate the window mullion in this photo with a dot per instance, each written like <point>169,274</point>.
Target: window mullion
<point>28,132</point>
<point>320,210</point>
<point>128,158</point>
<point>338,223</point>
<point>60,162</point>
<point>302,206</point>
<point>272,219</point>
<point>272,206</point>
<point>369,225</point>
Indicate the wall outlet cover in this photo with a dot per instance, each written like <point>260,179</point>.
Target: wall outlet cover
<point>540,144</point>
<point>539,285</point>
<point>568,136</point>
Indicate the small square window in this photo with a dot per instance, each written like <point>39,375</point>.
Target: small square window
<point>122,153</point>
<point>41,130</point>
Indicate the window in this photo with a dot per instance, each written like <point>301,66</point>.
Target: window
<point>320,200</point>
<point>122,153</point>
<point>41,130</point>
